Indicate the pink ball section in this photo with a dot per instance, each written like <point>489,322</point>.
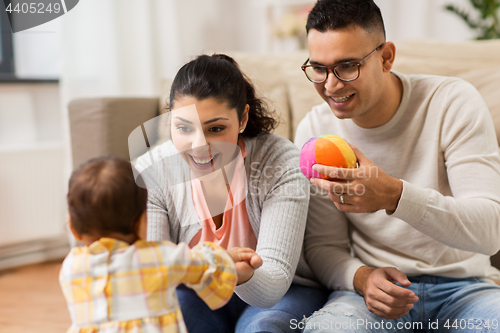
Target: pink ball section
<point>308,159</point>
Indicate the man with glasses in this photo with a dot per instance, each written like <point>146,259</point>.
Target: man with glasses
<point>407,239</point>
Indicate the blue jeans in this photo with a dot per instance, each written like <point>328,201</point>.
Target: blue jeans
<point>237,316</point>
<point>445,305</point>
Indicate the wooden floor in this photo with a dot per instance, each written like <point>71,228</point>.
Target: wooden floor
<point>31,300</point>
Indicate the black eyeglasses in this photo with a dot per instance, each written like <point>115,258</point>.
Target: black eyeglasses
<point>345,71</point>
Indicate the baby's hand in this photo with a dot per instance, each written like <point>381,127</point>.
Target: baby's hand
<point>246,261</point>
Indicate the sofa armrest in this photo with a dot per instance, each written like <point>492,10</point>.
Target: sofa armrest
<point>101,126</point>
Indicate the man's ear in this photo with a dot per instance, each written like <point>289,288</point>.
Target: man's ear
<point>73,231</point>
<point>388,56</point>
<point>141,226</point>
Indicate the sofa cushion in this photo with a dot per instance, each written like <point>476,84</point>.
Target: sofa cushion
<point>164,122</point>
<point>268,71</point>
<point>277,100</point>
<point>102,126</point>
<point>446,58</point>
<point>303,97</point>
<point>264,70</point>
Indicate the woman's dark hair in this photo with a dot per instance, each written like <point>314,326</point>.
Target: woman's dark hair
<point>104,197</point>
<point>338,14</point>
<point>218,76</point>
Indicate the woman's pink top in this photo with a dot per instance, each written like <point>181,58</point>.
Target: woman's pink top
<point>236,230</point>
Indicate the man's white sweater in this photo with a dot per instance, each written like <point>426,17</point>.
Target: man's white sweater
<point>441,143</point>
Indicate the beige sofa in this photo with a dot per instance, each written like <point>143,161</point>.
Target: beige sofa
<point>101,126</point>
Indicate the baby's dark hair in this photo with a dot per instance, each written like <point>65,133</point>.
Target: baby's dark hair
<point>339,14</point>
<point>218,76</point>
<point>103,197</point>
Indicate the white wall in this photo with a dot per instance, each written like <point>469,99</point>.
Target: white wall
<point>29,114</point>
<point>127,46</point>
<point>406,19</point>
<point>32,151</point>
<point>32,175</point>
<point>37,52</point>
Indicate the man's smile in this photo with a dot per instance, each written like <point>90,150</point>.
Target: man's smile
<point>341,99</point>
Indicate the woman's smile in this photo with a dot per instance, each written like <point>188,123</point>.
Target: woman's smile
<point>203,163</point>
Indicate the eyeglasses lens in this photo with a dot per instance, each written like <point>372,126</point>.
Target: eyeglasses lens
<point>346,72</point>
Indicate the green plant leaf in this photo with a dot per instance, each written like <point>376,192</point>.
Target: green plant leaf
<point>488,25</point>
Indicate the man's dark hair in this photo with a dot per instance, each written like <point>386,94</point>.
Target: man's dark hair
<point>339,14</point>
<point>104,197</point>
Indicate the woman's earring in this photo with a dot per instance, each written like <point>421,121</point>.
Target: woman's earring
<point>241,130</point>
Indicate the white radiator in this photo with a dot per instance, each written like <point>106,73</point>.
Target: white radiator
<point>32,203</point>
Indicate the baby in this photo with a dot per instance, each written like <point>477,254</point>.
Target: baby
<point>120,283</point>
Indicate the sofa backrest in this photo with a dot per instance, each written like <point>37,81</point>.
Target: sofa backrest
<point>101,126</point>
<point>278,78</point>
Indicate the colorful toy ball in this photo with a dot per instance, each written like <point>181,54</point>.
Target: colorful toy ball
<point>329,150</point>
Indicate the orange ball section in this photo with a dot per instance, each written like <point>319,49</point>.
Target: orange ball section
<point>345,149</point>
<point>327,153</point>
<point>331,150</point>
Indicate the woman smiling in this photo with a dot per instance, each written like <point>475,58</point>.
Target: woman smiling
<point>225,178</point>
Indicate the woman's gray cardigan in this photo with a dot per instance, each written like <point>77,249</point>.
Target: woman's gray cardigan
<point>277,202</point>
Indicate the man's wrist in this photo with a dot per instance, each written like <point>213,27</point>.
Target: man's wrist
<point>360,278</point>
<point>395,197</point>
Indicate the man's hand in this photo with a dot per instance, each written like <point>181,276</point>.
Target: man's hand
<point>382,296</point>
<point>246,261</point>
<point>365,189</point>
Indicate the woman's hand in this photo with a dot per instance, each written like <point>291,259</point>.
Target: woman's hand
<point>246,262</point>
